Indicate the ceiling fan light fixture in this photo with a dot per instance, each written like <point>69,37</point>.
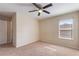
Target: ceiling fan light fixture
<point>40,11</point>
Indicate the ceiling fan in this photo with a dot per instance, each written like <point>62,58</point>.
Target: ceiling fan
<point>41,9</point>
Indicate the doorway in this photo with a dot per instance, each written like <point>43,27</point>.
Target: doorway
<point>6,36</point>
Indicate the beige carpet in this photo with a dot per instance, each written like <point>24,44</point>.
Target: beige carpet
<point>37,49</point>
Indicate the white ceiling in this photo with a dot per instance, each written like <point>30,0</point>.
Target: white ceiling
<point>56,9</point>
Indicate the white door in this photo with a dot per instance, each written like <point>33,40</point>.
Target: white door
<point>3,31</point>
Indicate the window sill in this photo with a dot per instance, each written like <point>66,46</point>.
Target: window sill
<point>65,29</point>
<point>65,38</point>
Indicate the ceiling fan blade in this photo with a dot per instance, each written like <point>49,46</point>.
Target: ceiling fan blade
<point>33,10</point>
<point>39,13</point>
<point>47,6</point>
<point>46,11</point>
<point>36,5</point>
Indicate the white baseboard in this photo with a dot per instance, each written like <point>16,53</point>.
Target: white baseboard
<point>20,45</point>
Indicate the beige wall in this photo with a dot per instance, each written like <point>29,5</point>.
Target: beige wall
<point>27,29</point>
<point>49,30</point>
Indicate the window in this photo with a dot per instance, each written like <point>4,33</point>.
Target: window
<point>65,28</point>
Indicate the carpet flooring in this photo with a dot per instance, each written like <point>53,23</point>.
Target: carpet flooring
<point>37,49</point>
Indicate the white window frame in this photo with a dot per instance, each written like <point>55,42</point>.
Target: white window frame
<point>65,29</point>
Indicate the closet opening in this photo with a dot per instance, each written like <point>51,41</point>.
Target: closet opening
<point>6,29</point>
